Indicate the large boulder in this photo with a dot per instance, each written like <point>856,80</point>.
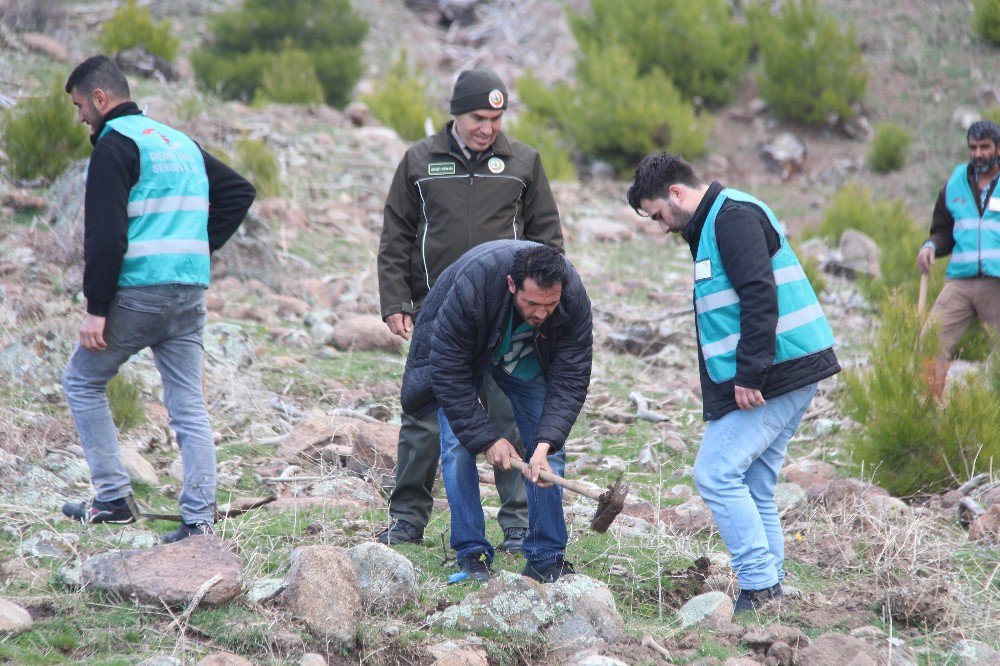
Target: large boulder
<point>322,590</point>
<point>152,575</point>
<point>388,580</point>
<point>575,610</point>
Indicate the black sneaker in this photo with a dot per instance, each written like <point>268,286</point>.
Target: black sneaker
<point>476,566</point>
<point>121,511</point>
<point>186,530</point>
<point>513,539</point>
<point>550,572</point>
<point>400,531</point>
<point>749,600</point>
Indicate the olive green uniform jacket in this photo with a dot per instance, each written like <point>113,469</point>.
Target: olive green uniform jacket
<point>439,206</point>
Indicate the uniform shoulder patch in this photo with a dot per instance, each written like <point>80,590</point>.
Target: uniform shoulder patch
<point>441,169</point>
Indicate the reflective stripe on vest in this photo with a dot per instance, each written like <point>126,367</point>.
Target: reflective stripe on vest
<point>977,239</point>
<point>802,328</point>
<point>167,207</point>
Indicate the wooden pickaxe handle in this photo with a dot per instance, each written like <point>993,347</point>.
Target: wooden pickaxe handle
<point>575,486</point>
<point>922,297</point>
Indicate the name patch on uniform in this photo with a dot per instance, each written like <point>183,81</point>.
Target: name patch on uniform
<point>995,204</point>
<point>441,169</point>
<point>703,270</point>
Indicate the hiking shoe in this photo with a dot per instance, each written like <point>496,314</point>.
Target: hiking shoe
<point>121,511</point>
<point>186,530</point>
<point>749,600</point>
<point>513,539</point>
<point>476,566</point>
<point>548,572</point>
<point>400,531</point>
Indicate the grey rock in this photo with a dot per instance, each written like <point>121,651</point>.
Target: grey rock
<point>312,659</point>
<point>69,468</point>
<point>575,610</point>
<point>265,589</point>
<point>229,345</point>
<point>698,610</point>
<point>788,496</point>
<point>161,660</point>
<point>975,653</point>
<point>70,575</point>
<point>49,545</point>
<point>585,612</point>
<point>388,580</point>
<point>785,154</point>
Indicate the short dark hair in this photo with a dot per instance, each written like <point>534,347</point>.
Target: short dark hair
<point>543,264</point>
<point>654,176</point>
<point>984,129</point>
<point>102,72</point>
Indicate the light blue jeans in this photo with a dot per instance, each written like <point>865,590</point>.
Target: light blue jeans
<point>170,320</point>
<point>736,471</point>
<point>546,538</point>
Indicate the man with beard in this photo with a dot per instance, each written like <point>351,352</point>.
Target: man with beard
<point>966,225</point>
<point>516,312</point>
<point>466,185</point>
<point>763,345</point>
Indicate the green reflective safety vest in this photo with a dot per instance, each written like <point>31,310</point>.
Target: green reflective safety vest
<point>167,207</point>
<point>802,328</point>
<point>977,238</point>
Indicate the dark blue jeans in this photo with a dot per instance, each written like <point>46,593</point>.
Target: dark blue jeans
<point>546,539</point>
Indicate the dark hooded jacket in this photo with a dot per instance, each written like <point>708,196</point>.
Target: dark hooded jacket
<point>460,325</point>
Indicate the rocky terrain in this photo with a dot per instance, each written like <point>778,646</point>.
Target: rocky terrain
<point>303,382</point>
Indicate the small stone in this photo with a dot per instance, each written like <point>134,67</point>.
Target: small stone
<point>312,659</point>
<point>975,653</point>
<point>715,605</point>
<point>13,619</point>
<point>49,545</point>
<point>224,659</point>
<point>265,589</point>
<point>138,468</point>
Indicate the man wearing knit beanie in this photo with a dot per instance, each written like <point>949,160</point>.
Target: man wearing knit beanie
<point>466,185</point>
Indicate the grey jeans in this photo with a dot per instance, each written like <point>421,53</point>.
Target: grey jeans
<point>170,320</point>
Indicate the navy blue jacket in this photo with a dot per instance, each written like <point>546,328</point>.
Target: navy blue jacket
<point>460,325</point>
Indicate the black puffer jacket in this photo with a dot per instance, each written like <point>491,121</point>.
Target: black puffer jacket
<point>460,325</point>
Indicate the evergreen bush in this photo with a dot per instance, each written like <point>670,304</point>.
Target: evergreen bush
<point>986,21</point>
<point>259,165</point>
<point>891,227</point>
<point>125,399</point>
<point>913,445</point>
<point>992,114</point>
<point>245,40</point>
<point>290,78</point>
<point>401,101</point>
<point>699,45</point>
<point>889,148</point>
<point>613,113</point>
<point>812,69</point>
<point>133,26</point>
<point>533,129</point>
<point>42,136</point>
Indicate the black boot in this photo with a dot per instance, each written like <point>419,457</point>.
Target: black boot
<point>753,599</point>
